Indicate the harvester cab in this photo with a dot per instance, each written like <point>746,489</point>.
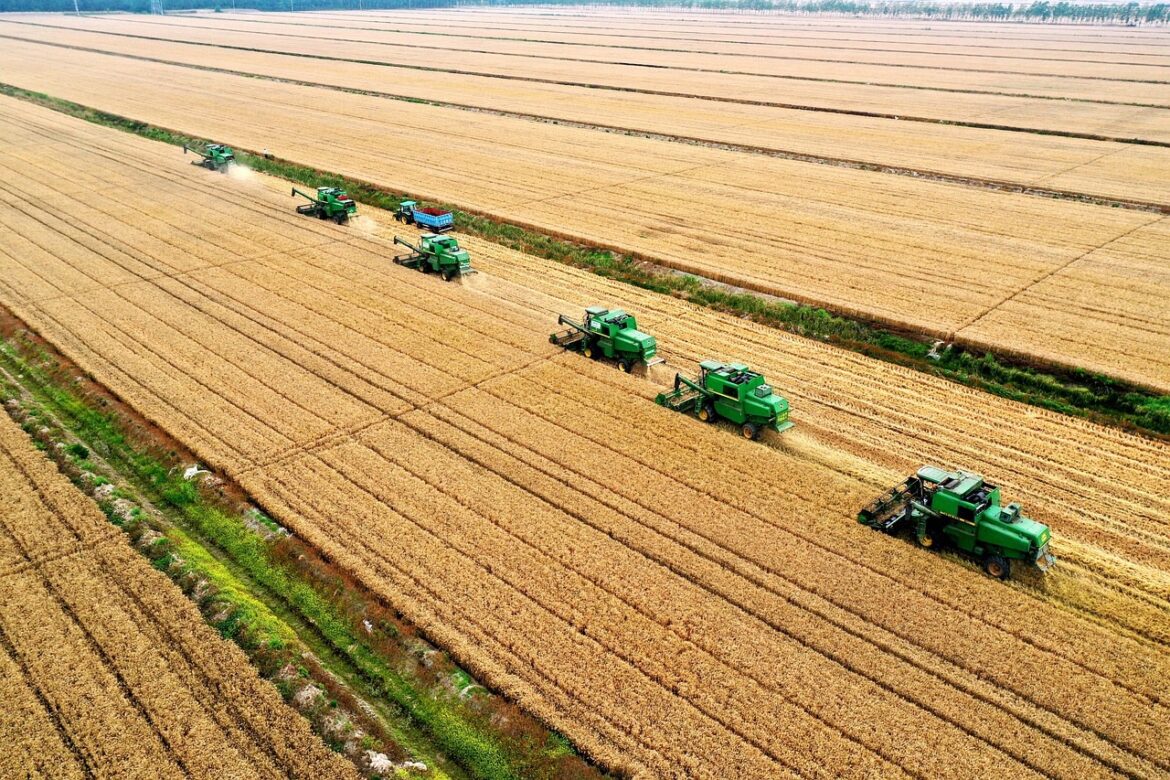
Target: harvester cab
<point>962,509</point>
<point>729,391</point>
<point>436,254</point>
<point>213,157</point>
<point>607,333</point>
<point>329,203</point>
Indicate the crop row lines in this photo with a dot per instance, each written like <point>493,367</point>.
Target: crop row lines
<point>857,560</point>
<point>742,599</point>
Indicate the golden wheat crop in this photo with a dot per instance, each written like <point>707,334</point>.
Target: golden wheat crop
<point>676,600</point>
<point>931,257</point>
<point>108,670</point>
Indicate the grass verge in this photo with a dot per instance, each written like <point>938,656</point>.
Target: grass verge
<point>1074,392</point>
<point>301,621</point>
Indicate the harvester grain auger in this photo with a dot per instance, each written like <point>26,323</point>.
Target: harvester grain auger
<point>213,157</point>
<point>961,509</point>
<point>436,254</point>
<point>729,391</point>
<point>605,333</point>
<point>329,203</point>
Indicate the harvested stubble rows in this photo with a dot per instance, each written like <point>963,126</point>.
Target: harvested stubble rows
<point>1094,168</point>
<point>106,670</point>
<point>733,57</point>
<point>1123,109</point>
<point>675,599</point>
<point>921,255</point>
<point>716,75</point>
<point>596,26</point>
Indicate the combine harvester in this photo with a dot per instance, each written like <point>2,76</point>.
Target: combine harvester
<point>215,157</point>
<point>436,254</point>
<point>433,219</point>
<point>729,391</point>
<point>329,203</point>
<point>961,509</point>
<point>609,334</point>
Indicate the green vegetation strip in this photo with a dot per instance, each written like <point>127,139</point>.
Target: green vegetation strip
<point>218,545</point>
<point>1075,392</point>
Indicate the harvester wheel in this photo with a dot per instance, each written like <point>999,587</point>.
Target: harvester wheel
<point>448,274</point>
<point>997,566</point>
<point>707,412</point>
<point>625,365</point>
<point>926,540</point>
<point>750,431</point>
<point>588,351</point>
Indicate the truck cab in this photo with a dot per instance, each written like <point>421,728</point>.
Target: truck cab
<point>744,397</point>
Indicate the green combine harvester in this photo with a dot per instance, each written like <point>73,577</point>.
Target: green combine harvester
<point>955,507</point>
<point>329,203</point>
<point>729,391</point>
<point>436,254</point>
<point>603,333</point>
<point>215,157</point>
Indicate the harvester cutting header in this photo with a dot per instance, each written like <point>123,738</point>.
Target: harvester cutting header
<point>215,157</point>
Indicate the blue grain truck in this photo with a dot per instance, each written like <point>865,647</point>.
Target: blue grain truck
<point>433,219</point>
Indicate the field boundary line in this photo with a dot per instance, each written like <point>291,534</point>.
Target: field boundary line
<point>957,333</point>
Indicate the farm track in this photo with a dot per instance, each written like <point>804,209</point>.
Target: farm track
<point>789,239</point>
<point>428,438</point>
<point>108,670</point>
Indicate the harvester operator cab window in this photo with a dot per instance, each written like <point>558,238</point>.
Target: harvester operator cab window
<point>618,322</point>
<point>966,513</point>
